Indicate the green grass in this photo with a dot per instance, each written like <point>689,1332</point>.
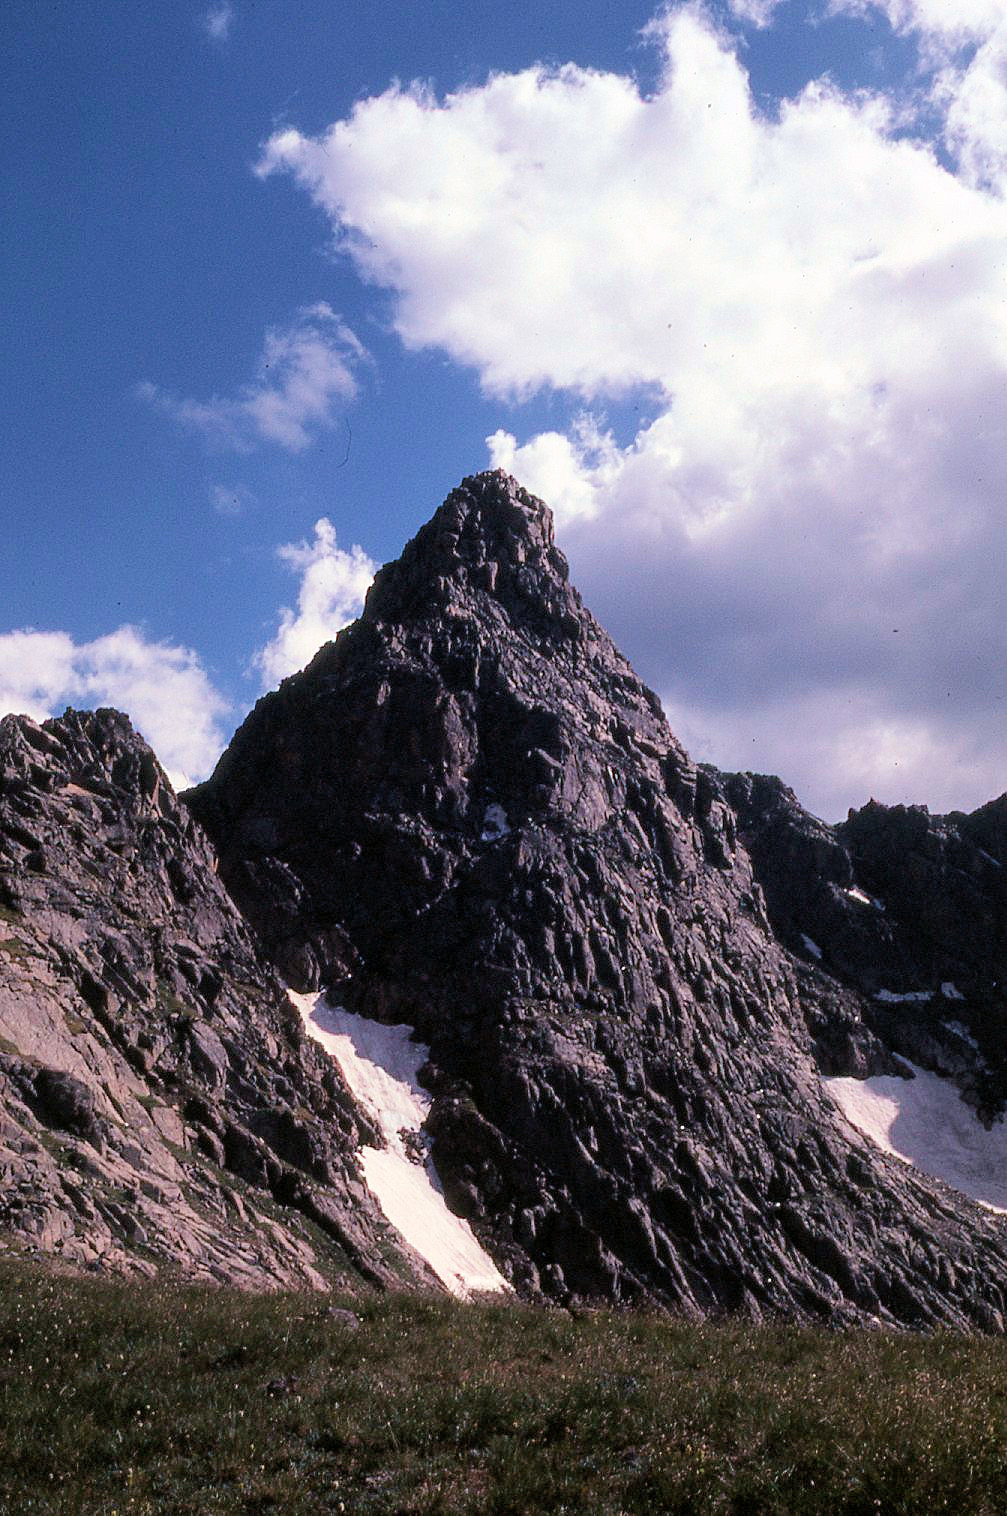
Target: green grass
<point>17,948</point>
<point>163,1399</point>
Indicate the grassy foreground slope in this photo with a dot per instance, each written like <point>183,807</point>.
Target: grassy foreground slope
<point>119,1398</point>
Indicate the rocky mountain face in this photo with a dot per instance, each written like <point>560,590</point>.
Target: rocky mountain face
<point>906,909</point>
<point>634,975</point>
<point>160,1106</point>
<point>469,815</point>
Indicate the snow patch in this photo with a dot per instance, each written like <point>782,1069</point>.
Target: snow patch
<point>811,947</point>
<point>495,823</point>
<point>892,997</point>
<point>925,1122</point>
<point>951,991</point>
<point>862,898</point>
<point>381,1065</point>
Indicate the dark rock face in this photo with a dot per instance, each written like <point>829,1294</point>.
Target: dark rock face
<point>159,1105</point>
<point>906,909</point>
<point>632,972</point>
<point>467,813</point>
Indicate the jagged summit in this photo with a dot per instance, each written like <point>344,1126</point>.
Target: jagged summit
<point>490,535</point>
<point>475,681</point>
<point>489,517</point>
<point>469,815</point>
<point>635,977</point>
<point>489,555</point>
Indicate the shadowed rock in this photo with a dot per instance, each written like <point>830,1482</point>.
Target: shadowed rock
<point>468,814</point>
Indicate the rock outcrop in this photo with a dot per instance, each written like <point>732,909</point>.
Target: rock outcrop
<point>468,814</point>
<point>907,910</point>
<point>160,1106</point>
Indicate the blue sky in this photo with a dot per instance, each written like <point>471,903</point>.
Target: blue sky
<point>725,283</point>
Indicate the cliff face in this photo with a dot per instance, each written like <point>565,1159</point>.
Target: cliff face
<point>634,975</point>
<point>469,815</point>
<point>159,1105</point>
<point>905,909</point>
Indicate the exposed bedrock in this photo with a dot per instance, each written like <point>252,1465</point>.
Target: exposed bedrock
<point>159,1104</point>
<point>468,814</point>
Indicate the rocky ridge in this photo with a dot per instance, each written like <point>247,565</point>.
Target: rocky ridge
<point>468,814</point>
<point>907,910</point>
<point>160,1106</point>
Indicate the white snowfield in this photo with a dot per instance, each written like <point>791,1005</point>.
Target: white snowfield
<point>894,997</point>
<point>380,1064</point>
<point>925,1122</point>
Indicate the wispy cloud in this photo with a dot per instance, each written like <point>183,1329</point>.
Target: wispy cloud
<point>333,585</point>
<point>218,20</point>
<point>231,499</point>
<point>802,548</point>
<point>954,22</point>
<point>963,52</point>
<point>757,12</point>
<point>162,687</point>
<point>306,370</point>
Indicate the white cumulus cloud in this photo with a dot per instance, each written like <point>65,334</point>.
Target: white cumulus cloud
<point>163,688</point>
<point>951,21</point>
<point>333,585</point>
<point>963,46</point>
<point>306,370</point>
<point>975,97</point>
<point>801,550</point>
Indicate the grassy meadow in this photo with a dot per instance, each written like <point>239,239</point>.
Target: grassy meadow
<point>161,1398</point>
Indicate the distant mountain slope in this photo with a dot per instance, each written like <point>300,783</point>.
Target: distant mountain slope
<point>468,814</point>
<point>908,910</point>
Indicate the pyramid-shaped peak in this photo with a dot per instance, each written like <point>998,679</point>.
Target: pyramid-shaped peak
<point>489,536</point>
<point>468,815</point>
<point>494,509</point>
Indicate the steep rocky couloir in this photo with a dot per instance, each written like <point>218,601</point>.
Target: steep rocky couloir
<point>159,1104</point>
<point>468,814</point>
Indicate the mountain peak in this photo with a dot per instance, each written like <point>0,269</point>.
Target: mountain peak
<point>644,990</point>
<point>468,816</point>
<point>491,511</point>
<point>489,536</point>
